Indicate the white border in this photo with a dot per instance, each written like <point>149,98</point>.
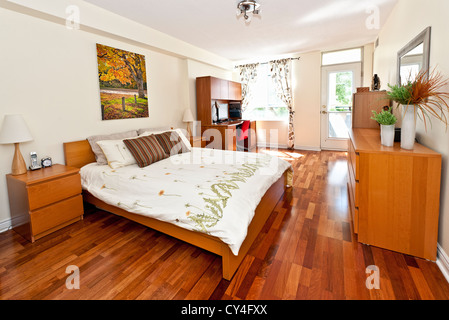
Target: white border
<point>443,262</point>
<point>5,225</point>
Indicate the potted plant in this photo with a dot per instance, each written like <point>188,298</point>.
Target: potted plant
<point>387,121</point>
<point>422,97</point>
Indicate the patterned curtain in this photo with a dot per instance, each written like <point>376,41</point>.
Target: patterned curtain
<point>248,77</point>
<point>280,72</point>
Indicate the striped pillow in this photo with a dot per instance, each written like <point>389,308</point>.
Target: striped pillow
<point>171,142</point>
<point>146,150</point>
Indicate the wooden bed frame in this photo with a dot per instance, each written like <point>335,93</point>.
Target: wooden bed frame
<point>79,153</point>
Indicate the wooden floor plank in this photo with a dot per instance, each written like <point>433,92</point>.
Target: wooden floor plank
<point>306,250</point>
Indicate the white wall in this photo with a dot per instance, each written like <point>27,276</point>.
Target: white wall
<point>194,70</point>
<point>50,76</point>
<point>408,19</point>
<point>307,100</point>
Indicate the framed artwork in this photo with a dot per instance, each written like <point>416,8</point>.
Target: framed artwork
<point>123,85</point>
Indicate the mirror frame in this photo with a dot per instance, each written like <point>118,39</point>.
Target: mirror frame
<point>423,37</point>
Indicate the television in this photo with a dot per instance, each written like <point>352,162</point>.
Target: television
<point>222,109</point>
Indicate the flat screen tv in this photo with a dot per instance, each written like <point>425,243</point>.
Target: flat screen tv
<point>222,112</point>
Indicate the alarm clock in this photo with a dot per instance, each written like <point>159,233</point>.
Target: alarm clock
<point>46,162</point>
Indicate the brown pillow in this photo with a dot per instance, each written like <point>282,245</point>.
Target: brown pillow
<point>171,142</point>
<point>146,150</point>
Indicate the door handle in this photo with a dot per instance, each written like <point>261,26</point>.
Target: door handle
<point>323,112</point>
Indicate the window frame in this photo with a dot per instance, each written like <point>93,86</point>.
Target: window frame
<point>362,52</point>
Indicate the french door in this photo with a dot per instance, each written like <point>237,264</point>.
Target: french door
<point>339,83</point>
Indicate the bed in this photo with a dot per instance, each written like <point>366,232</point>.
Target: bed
<point>213,199</point>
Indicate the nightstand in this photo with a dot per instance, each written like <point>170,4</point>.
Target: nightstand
<point>197,142</point>
<point>45,200</point>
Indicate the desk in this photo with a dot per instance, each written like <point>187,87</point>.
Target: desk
<point>223,136</point>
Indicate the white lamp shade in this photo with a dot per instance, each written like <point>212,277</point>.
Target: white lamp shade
<point>188,116</point>
<point>14,130</point>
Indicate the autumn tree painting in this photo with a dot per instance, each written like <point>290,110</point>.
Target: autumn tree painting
<point>123,85</point>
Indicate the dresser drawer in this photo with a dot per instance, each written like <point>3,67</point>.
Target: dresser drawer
<point>354,185</point>
<point>355,218</point>
<point>45,193</point>
<point>353,159</point>
<point>54,215</point>
<point>353,209</point>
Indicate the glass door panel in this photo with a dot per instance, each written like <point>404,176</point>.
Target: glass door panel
<point>339,83</point>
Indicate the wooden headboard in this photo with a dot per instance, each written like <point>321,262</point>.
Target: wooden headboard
<point>78,153</point>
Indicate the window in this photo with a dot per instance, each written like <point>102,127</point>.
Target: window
<point>343,56</point>
<point>265,104</point>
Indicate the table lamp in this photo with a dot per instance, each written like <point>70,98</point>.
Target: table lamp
<point>14,130</point>
<point>188,117</point>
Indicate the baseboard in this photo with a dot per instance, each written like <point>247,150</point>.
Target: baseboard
<point>443,262</point>
<point>336,150</point>
<point>284,146</point>
<point>303,148</point>
<point>272,146</point>
<point>5,225</point>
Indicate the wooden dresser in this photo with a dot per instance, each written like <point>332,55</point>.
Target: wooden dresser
<point>394,194</point>
<point>45,200</point>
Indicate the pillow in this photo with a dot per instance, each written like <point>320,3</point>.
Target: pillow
<point>99,155</point>
<point>171,142</point>
<point>116,153</point>
<point>152,130</point>
<point>178,131</point>
<point>145,150</point>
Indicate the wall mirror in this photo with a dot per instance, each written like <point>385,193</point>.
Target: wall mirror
<point>414,57</point>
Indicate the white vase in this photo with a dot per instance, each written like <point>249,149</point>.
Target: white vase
<point>387,135</point>
<point>408,130</point>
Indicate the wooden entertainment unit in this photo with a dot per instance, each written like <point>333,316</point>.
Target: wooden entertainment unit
<point>221,135</point>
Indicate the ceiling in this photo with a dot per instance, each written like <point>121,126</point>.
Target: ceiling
<point>283,26</point>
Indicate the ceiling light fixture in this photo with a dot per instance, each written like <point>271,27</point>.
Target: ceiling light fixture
<point>248,7</point>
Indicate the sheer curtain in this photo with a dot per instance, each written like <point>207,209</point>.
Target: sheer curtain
<point>248,77</point>
<point>281,75</point>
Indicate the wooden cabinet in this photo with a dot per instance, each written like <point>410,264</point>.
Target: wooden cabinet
<point>235,91</point>
<point>211,89</point>
<point>221,135</point>
<point>224,136</point>
<point>363,105</point>
<point>45,200</point>
<point>394,194</point>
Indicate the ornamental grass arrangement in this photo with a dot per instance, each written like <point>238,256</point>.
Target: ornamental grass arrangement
<point>426,93</point>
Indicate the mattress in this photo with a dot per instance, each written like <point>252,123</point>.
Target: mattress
<point>211,191</point>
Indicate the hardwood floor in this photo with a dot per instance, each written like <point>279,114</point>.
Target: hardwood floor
<point>306,251</point>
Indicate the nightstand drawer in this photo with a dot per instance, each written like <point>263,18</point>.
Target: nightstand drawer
<point>52,216</point>
<point>45,193</point>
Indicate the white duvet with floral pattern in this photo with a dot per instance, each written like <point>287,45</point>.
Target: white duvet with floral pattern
<point>205,190</point>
